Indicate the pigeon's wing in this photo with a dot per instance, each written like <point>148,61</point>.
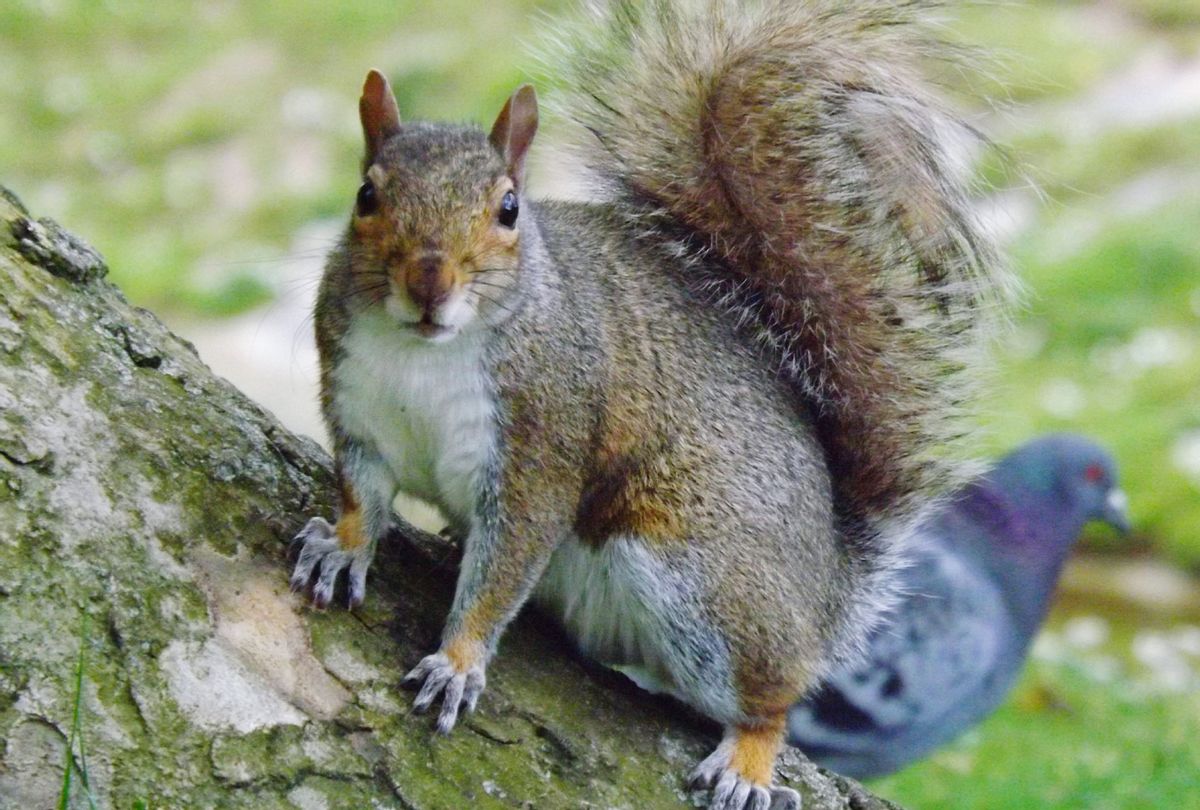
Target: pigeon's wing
<point>938,650</point>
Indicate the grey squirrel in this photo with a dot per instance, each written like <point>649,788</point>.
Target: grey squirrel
<point>696,418</point>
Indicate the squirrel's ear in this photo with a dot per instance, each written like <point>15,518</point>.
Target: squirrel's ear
<point>379,114</point>
<point>514,130</point>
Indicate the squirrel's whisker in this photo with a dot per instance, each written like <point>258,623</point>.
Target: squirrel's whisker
<point>478,282</point>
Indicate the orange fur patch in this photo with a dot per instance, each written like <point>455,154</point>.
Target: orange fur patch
<point>464,651</point>
<point>618,499</point>
<point>636,491</point>
<point>764,690</point>
<point>467,647</point>
<point>350,530</point>
<point>755,749</point>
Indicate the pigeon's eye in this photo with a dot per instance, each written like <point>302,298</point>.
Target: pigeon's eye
<point>508,210</point>
<point>1094,473</point>
<point>368,200</point>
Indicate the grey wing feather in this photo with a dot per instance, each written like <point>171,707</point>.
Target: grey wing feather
<point>929,660</point>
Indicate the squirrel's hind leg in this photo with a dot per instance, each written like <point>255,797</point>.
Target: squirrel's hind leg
<point>739,771</point>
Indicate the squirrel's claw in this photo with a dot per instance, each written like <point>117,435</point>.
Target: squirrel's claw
<point>320,560</point>
<point>439,676</point>
<point>732,791</point>
<point>308,548</point>
<point>784,798</point>
<point>735,793</point>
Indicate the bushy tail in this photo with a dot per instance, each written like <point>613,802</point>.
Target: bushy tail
<point>793,142</point>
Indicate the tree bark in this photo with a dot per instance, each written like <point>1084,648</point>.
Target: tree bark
<point>145,509</point>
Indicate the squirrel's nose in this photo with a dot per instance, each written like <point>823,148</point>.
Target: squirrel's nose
<point>429,280</point>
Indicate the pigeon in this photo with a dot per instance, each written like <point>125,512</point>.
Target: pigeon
<point>983,571</point>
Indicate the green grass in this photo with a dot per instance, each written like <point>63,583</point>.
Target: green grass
<point>1114,321</point>
<point>1034,52</point>
<point>71,765</point>
<point>1167,13</point>
<point>125,119</point>
<point>1065,741</point>
<point>1109,342</point>
<point>1075,170</point>
<point>1090,724</point>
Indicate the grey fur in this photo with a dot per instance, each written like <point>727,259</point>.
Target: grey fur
<point>761,549</point>
<point>732,378</point>
<point>794,145</point>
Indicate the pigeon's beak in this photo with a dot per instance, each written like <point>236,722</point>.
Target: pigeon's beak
<point>1116,510</point>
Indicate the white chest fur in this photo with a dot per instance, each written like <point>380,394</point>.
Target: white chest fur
<point>423,406</point>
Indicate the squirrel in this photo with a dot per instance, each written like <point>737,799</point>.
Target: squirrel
<point>695,418</point>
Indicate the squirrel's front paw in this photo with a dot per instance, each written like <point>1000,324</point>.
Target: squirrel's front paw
<point>320,558</point>
<point>458,685</point>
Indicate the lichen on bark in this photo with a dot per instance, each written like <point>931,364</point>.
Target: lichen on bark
<point>145,507</point>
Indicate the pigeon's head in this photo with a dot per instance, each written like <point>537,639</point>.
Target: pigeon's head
<point>1026,513</point>
<point>1031,508</point>
<point>1072,479</point>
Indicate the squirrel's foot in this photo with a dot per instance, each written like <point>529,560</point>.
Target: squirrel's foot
<point>320,553</point>
<point>459,684</point>
<point>739,773</point>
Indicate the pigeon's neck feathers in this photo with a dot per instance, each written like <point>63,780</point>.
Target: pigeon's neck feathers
<point>1021,528</point>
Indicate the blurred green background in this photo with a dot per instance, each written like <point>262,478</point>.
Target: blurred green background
<point>210,152</point>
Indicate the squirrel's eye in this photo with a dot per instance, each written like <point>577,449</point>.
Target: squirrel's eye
<point>508,210</point>
<point>367,202</point>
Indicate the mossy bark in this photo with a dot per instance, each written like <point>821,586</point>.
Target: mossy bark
<point>145,508</point>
